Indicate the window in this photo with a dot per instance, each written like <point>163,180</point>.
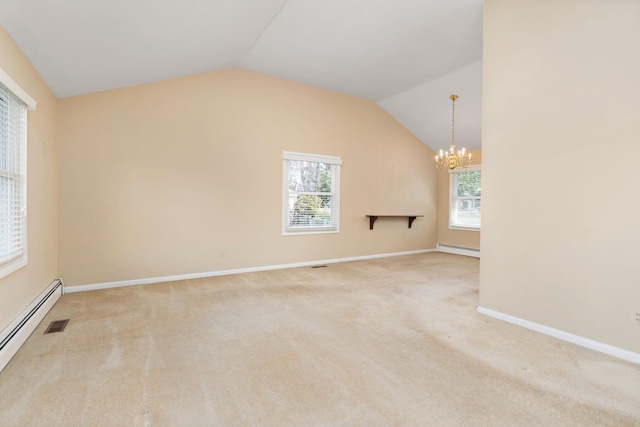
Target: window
<point>311,196</point>
<point>13,179</point>
<point>465,197</point>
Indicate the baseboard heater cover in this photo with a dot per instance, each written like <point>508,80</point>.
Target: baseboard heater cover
<point>618,352</point>
<point>458,250</point>
<point>16,333</point>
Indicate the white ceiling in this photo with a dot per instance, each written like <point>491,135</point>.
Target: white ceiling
<point>392,52</point>
<point>426,109</point>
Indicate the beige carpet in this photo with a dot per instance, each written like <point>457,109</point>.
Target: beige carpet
<point>390,342</point>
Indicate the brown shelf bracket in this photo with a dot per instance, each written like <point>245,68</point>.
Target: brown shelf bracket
<point>411,219</point>
<point>372,220</point>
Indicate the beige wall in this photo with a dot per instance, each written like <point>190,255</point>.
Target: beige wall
<point>561,135</point>
<point>20,288</point>
<point>159,179</point>
<point>447,236</point>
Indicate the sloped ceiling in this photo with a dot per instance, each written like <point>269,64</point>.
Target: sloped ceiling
<point>391,52</point>
<point>426,109</point>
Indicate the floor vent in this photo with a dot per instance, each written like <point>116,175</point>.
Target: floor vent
<point>318,266</point>
<point>56,326</point>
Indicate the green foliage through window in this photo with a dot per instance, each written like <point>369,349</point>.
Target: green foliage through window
<point>469,183</point>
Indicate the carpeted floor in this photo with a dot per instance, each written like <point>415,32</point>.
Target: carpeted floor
<point>389,342</point>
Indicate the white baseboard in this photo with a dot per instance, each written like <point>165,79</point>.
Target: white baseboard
<point>147,281</point>
<point>16,333</point>
<point>458,250</point>
<point>565,336</point>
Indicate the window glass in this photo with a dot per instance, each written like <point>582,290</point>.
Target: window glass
<point>13,120</point>
<point>311,193</point>
<point>466,192</point>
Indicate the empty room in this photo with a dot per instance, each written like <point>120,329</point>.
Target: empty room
<point>305,213</point>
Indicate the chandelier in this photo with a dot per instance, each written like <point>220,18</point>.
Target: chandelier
<point>452,159</point>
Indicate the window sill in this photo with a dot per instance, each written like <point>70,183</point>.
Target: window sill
<point>453,227</point>
<point>309,231</point>
<point>13,266</point>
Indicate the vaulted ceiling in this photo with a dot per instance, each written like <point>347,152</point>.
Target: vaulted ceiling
<point>407,55</point>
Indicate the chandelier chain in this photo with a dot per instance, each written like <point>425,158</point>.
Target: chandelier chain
<point>453,117</point>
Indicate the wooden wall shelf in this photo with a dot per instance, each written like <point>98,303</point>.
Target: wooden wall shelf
<point>373,218</point>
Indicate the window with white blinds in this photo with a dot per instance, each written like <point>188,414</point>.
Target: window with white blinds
<point>465,198</point>
<point>311,193</point>
<point>13,179</point>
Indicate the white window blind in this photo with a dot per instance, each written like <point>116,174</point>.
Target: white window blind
<point>311,193</point>
<point>13,139</point>
<point>465,198</point>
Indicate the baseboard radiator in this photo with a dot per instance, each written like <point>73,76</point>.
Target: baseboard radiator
<point>458,250</point>
<point>16,333</point>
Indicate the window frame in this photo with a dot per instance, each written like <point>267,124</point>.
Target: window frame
<point>19,96</point>
<point>453,196</point>
<point>336,164</point>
